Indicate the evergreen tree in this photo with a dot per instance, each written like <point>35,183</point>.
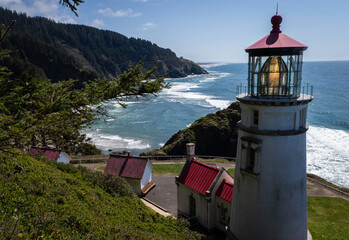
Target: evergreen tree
<point>36,111</point>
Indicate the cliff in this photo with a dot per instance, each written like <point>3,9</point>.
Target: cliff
<point>215,135</point>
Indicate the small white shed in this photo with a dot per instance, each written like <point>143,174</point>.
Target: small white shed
<point>136,171</point>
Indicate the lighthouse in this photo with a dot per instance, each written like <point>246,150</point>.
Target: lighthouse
<point>270,196</point>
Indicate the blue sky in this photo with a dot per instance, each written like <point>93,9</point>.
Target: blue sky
<point>203,30</point>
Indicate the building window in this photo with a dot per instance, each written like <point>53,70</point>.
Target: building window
<point>192,206</point>
<point>249,155</point>
<point>302,118</point>
<point>255,118</point>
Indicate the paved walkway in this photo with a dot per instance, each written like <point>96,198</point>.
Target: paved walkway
<point>164,193</point>
<point>156,208</point>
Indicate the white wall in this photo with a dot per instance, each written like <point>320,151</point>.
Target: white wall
<point>183,194</point>
<point>147,174</point>
<point>273,117</point>
<point>227,205</point>
<point>64,158</point>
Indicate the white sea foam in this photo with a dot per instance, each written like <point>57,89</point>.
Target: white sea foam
<point>208,79</point>
<point>161,144</point>
<point>328,154</point>
<point>181,92</point>
<point>209,65</point>
<point>213,76</point>
<point>105,142</point>
<point>109,120</point>
<point>221,104</point>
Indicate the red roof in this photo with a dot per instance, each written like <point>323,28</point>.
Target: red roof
<point>225,191</point>
<point>276,40</point>
<point>50,153</point>
<point>198,176</point>
<point>126,166</point>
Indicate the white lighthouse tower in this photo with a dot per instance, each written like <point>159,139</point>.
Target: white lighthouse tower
<point>269,198</point>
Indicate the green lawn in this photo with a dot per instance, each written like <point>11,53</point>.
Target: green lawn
<point>213,160</point>
<point>167,168</point>
<point>328,218</point>
<point>101,168</point>
<point>231,171</point>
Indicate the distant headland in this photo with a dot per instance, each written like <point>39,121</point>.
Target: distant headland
<point>58,51</point>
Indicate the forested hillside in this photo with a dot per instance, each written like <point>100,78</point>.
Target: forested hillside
<point>59,51</point>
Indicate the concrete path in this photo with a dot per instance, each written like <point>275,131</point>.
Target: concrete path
<point>164,193</point>
<point>156,208</point>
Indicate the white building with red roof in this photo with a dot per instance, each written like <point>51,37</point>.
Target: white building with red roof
<point>136,171</point>
<point>51,153</point>
<point>203,193</point>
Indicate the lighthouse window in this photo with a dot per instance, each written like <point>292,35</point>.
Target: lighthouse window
<point>252,159</point>
<point>302,118</point>
<point>249,155</point>
<point>255,118</point>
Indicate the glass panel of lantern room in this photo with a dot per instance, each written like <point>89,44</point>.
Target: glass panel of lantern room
<point>299,74</point>
<point>296,76</point>
<point>249,74</point>
<point>274,77</point>
<point>284,81</point>
<point>290,65</point>
<point>254,63</point>
<point>264,77</point>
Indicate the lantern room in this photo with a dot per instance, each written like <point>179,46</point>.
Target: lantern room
<point>275,65</point>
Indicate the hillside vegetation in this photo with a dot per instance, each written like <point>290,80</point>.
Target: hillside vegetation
<point>43,199</point>
<point>215,135</point>
<point>59,51</point>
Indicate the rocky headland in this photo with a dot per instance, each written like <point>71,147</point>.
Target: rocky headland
<point>214,135</point>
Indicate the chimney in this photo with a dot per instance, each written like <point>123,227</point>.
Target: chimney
<point>126,153</point>
<point>190,151</point>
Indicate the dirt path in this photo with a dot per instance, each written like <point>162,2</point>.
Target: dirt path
<point>314,188</point>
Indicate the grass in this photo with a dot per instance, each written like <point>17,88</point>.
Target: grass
<point>167,168</point>
<point>101,168</point>
<point>328,218</point>
<point>40,199</point>
<point>222,160</point>
<point>231,171</point>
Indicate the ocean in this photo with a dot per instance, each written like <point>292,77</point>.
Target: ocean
<point>147,123</point>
